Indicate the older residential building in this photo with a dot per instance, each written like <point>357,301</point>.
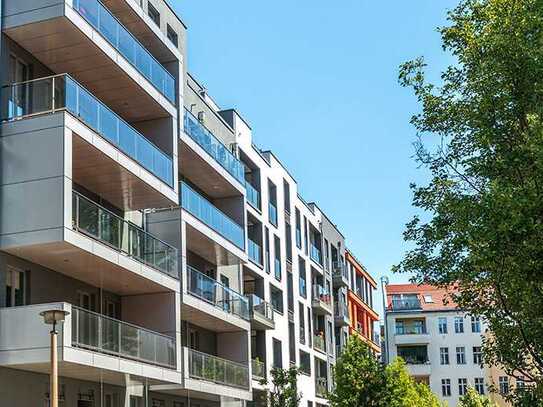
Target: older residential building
<point>440,344</point>
<point>186,259</point>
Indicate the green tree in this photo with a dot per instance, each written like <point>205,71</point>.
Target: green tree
<point>474,399</point>
<point>480,135</point>
<point>360,379</point>
<point>285,389</point>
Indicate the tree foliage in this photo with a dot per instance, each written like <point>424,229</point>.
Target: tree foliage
<point>481,138</point>
<point>474,399</point>
<point>362,381</point>
<point>285,389</point>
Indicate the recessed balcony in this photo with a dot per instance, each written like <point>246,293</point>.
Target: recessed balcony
<point>214,369</point>
<point>341,314</point>
<point>258,370</point>
<point>321,301</point>
<point>340,274</point>
<point>255,252</point>
<point>90,346</point>
<point>82,37</point>
<point>262,315</point>
<point>212,305</point>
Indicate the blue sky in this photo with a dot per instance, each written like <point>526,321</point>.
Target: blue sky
<point>317,81</point>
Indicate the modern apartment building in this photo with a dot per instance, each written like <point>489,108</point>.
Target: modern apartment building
<point>440,344</point>
<point>184,255</point>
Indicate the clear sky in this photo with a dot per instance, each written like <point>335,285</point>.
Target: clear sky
<point>317,81</point>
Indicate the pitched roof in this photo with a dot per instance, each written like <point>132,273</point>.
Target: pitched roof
<point>430,298</point>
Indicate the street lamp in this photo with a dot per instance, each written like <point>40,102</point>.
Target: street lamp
<point>51,317</point>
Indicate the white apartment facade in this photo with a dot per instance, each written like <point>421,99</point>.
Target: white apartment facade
<point>441,345</point>
<point>187,261</point>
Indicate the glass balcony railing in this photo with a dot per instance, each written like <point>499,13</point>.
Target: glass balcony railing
<point>204,210</point>
<point>220,153</point>
<point>97,222</point>
<point>319,342</point>
<point>217,370</point>
<point>102,334</point>
<point>61,92</point>
<point>261,307</point>
<point>321,294</point>
<point>340,310</point>
<point>272,213</point>
<point>127,45</point>
<point>315,254</point>
<point>339,270</point>
<point>406,304</point>
<point>321,386</point>
<point>253,196</point>
<point>411,330</point>
<point>217,294</point>
<point>255,252</point>
<point>258,369</point>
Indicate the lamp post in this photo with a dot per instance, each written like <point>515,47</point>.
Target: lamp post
<point>51,317</point>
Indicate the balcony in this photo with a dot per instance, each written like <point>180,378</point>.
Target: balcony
<point>213,147</point>
<point>81,34</point>
<point>255,252</point>
<point>218,370</point>
<point>213,292</point>
<point>262,316</point>
<point>406,304</point>
<point>341,314</point>
<point>100,224</point>
<point>102,334</point>
<point>211,216</point>
<point>90,345</point>
<point>315,254</point>
<point>321,301</point>
<point>258,369</point>
<point>319,343</point>
<point>340,274</point>
<point>97,166</point>
<point>411,335</point>
<point>321,387</point>
<point>272,214</point>
<point>253,196</point>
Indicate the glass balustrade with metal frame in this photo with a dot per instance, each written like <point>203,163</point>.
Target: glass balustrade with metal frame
<point>217,150</point>
<point>253,196</point>
<point>315,254</point>
<point>272,213</point>
<point>62,92</point>
<point>103,334</point>
<point>97,15</point>
<point>258,369</point>
<point>218,370</point>
<point>217,294</point>
<point>255,252</point>
<point>261,307</point>
<point>103,225</point>
<point>205,211</point>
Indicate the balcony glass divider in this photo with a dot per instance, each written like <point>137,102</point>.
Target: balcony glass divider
<point>103,225</point>
<point>220,153</point>
<point>97,15</point>
<point>205,211</point>
<point>217,294</point>
<point>62,92</point>
<point>103,334</point>
<point>218,370</point>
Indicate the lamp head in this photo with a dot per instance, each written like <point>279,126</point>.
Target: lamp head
<point>51,317</point>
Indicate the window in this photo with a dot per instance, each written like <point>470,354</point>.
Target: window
<point>298,229</point>
<point>428,299</point>
<point>480,385</point>
<point>277,353</point>
<point>446,387</point>
<point>521,383</point>
<point>277,264</point>
<point>400,327</point>
<point>158,403</point>
<point>301,316</point>
<point>442,323</point>
<point>475,324</point>
<point>276,299</point>
<point>459,325</point>
<point>153,13</point>
<point>305,363</point>
<point>477,355</point>
<point>172,35</point>
<point>267,265</point>
<point>15,287</point>
<point>460,355</point>
<point>462,386</point>
<point>444,356</point>
<point>302,282</point>
<point>503,382</point>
